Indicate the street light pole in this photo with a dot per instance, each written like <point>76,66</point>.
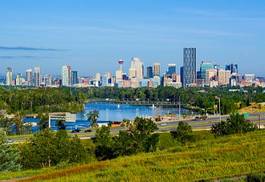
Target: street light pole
<point>220,114</point>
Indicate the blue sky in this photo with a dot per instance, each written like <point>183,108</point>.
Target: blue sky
<point>91,35</point>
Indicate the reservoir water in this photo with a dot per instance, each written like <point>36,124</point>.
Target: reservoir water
<point>118,112</point>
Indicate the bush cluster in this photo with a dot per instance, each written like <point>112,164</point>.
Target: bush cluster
<point>236,123</point>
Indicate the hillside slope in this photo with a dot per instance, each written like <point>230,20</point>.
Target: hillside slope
<point>207,158</point>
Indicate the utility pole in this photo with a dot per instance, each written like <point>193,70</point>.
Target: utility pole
<point>220,109</point>
<point>179,108</point>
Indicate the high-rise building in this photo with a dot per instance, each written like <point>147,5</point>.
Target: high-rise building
<point>29,77</point>
<point>9,76</point>
<point>211,75</point>
<point>18,80</point>
<point>189,66</point>
<point>37,77</point>
<point>182,75</point>
<point>66,75</point>
<point>249,77</point>
<point>203,68</point>
<point>149,72</point>
<point>156,70</point>
<point>171,69</point>
<point>136,69</point>
<point>233,68</point>
<point>119,72</point>
<point>223,77</point>
<point>74,77</point>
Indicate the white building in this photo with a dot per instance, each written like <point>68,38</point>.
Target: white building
<point>137,69</point>
<point>66,75</point>
<point>9,77</point>
<point>37,77</point>
<point>29,77</point>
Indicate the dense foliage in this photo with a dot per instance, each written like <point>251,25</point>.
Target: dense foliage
<point>93,116</point>
<point>236,123</point>
<point>139,138</point>
<point>47,149</point>
<point>9,155</point>
<point>41,100</point>
<point>183,132</point>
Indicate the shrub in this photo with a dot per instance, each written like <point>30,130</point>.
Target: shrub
<point>139,138</point>
<point>183,132</point>
<point>104,144</point>
<point>236,123</point>
<point>9,155</point>
<point>47,148</point>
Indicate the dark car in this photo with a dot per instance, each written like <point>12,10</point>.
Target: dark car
<point>76,131</point>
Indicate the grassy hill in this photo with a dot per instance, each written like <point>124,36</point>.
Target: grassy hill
<point>207,158</point>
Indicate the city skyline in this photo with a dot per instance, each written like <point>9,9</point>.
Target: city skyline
<point>98,33</point>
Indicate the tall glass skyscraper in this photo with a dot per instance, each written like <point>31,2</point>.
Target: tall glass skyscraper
<point>171,69</point>
<point>189,66</point>
<point>74,77</point>
<point>149,72</point>
<point>203,69</point>
<point>66,75</point>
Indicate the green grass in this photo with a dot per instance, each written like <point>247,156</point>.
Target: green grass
<point>206,158</point>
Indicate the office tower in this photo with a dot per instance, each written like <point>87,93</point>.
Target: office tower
<point>29,77</point>
<point>106,79</point>
<point>182,75</point>
<point>149,72</point>
<point>211,75</point>
<point>37,77</point>
<point>233,68</point>
<point>203,68</point>
<point>47,80</point>
<point>119,72</point>
<point>66,75</point>
<point>18,80</point>
<point>249,77</point>
<point>137,69</point>
<point>74,77</point>
<point>189,66</point>
<point>223,77</point>
<point>9,76</point>
<point>176,78</point>
<point>98,77</point>
<point>156,71</point>
<point>171,69</point>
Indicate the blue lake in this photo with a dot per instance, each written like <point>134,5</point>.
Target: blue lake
<point>118,112</point>
<point>109,112</point>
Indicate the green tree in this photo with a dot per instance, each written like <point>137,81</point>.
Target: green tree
<point>47,148</point>
<point>5,123</point>
<point>44,121</point>
<point>139,138</point>
<point>17,120</point>
<point>236,123</point>
<point>9,155</point>
<point>183,132</point>
<point>93,116</point>
<point>104,144</point>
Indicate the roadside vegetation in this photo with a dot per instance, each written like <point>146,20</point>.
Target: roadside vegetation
<point>140,153</point>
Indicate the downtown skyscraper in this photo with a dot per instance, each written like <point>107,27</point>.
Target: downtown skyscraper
<point>9,76</point>
<point>136,69</point>
<point>66,75</point>
<point>37,77</point>
<point>189,67</point>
